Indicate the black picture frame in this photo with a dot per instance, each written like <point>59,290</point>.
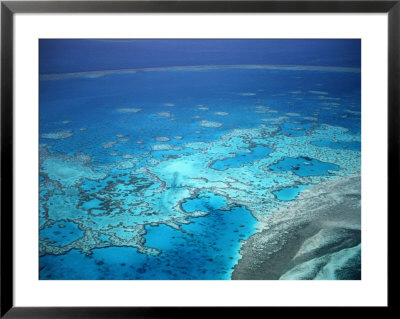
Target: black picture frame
<point>9,8</point>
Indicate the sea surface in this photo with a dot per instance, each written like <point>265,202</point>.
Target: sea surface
<point>154,171</point>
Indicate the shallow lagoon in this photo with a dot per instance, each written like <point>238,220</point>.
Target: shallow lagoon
<point>304,166</point>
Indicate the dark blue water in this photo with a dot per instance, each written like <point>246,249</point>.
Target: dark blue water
<point>87,55</point>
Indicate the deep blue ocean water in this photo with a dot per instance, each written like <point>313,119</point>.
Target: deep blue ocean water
<point>76,55</point>
<point>119,193</point>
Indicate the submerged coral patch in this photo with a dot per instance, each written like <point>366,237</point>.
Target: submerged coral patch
<point>221,113</point>
<point>57,135</point>
<point>318,92</point>
<point>162,139</point>
<point>292,114</point>
<point>69,170</point>
<point>128,110</point>
<point>109,144</point>
<point>205,123</point>
<point>197,145</point>
<point>310,118</point>
<point>164,114</point>
<point>126,165</point>
<point>161,147</point>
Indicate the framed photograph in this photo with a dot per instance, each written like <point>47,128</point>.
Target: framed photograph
<point>158,156</point>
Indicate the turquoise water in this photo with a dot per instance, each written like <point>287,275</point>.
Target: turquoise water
<point>163,173</point>
<point>289,193</point>
<point>241,158</point>
<point>205,249</point>
<point>356,146</point>
<point>61,233</point>
<point>304,166</point>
